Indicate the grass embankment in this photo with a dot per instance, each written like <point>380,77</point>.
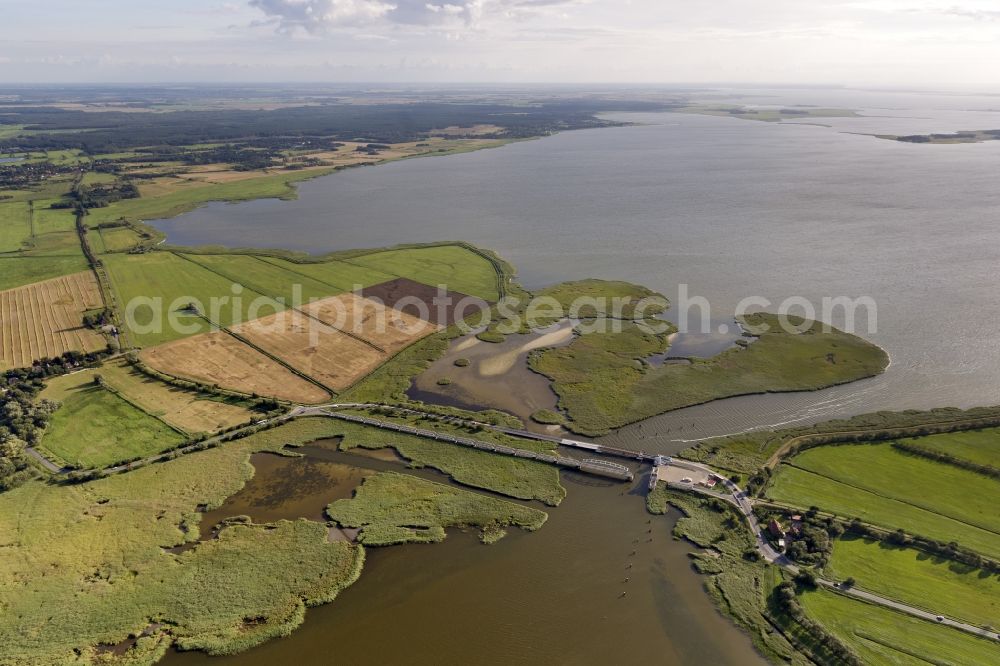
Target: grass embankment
<point>981,447</point>
<point>884,637</point>
<point>602,383</point>
<point>747,452</point>
<point>83,565</point>
<point>392,508</point>
<point>514,477</point>
<point>887,487</point>
<point>95,427</point>
<point>187,410</point>
<point>918,579</point>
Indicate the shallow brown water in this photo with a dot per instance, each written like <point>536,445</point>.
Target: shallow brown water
<point>552,596</point>
<point>497,374</point>
<point>286,488</point>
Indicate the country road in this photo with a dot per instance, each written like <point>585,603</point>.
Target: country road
<point>739,499</point>
<point>45,462</point>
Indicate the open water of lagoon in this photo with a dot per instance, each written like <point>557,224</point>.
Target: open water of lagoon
<point>731,208</point>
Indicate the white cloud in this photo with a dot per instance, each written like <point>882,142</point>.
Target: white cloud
<point>875,42</point>
<point>974,14</point>
<point>317,16</point>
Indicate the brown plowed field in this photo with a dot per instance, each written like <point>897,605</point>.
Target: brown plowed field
<point>384,327</point>
<point>335,341</point>
<point>417,300</point>
<point>46,319</point>
<point>328,355</point>
<point>219,358</point>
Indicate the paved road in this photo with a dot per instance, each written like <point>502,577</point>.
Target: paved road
<point>46,463</point>
<point>910,610</point>
<point>739,499</point>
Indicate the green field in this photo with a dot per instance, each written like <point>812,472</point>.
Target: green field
<point>8,131</point>
<point>264,277</point>
<point>392,508</point>
<point>56,244</point>
<point>118,239</point>
<point>883,637</point>
<point>84,565</point>
<point>456,267</point>
<point>38,231</point>
<point>96,241</point>
<point>96,428</point>
<point>977,446</point>
<point>601,384</point>
<point>50,220</point>
<point>15,226</point>
<point>886,487</point>
<point>97,178</point>
<point>918,579</point>
<point>18,271</point>
<point>176,281</point>
<point>340,275</point>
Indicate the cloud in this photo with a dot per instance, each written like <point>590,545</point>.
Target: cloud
<point>974,14</point>
<point>319,16</point>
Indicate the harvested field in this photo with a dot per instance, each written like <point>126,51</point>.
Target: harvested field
<point>187,410</point>
<point>95,428</point>
<point>384,327</point>
<point>417,300</point>
<point>46,319</point>
<point>328,355</point>
<point>219,358</point>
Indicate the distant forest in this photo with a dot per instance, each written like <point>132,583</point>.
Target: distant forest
<point>54,128</point>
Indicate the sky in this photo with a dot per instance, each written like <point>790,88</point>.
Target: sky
<point>894,43</point>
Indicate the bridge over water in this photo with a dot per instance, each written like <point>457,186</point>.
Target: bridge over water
<point>596,466</point>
